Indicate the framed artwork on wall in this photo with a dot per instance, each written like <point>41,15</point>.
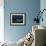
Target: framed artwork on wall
<point>17,19</point>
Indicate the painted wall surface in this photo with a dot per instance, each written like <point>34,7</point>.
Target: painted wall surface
<point>1,20</point>
<point>30,7</point>
<point>43,6</point>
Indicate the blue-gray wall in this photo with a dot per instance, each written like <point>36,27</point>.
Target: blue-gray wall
<point>30,7</point>
<point>43,6</point>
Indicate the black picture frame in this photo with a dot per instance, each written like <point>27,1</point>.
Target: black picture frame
<point>17,19</point>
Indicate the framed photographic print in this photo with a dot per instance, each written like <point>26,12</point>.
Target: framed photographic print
<point>17,18</point>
